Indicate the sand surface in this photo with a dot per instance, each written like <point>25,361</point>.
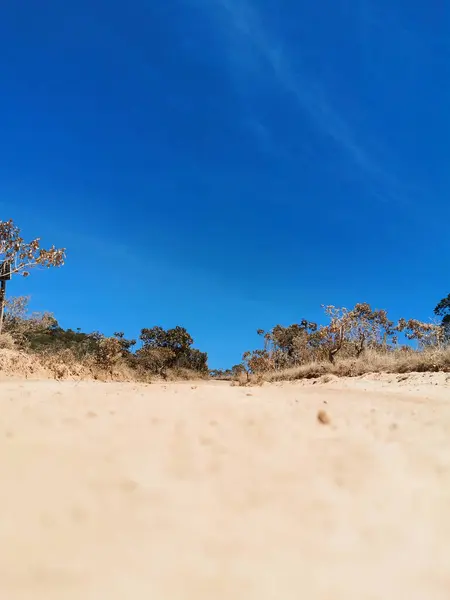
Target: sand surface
<point>206,491</point>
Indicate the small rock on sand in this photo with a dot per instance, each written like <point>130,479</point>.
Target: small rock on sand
<point>323,417</point>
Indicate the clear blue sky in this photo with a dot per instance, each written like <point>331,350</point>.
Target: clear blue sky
<point>228,164</point>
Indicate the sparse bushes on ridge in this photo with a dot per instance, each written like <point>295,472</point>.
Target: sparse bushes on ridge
<point>371,362</point>
<point>66,353</point>
<point>354,342</point>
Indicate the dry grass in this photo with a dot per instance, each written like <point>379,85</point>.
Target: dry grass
<point>182,374</point>
<point>7,341</point>
<point>370,362</point>
<point>64,365</point>
<point>20,364</point>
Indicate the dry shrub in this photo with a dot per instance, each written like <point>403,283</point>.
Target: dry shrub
<point>398,361</point>
<point>182,374</point>
<point>63,365</point>
<point>123,372</point>
<point>309,371</point>
<point>242,378</point>
<point>7,341</point>
<point>103,367</point>
<point>354,342</point>
<point>14,363</point>
<point>156,360</point>
<point>249,379</point>
<point>257,379</point>
<point>108,353</point>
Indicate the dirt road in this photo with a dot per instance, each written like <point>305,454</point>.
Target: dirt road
<point>202,491</point>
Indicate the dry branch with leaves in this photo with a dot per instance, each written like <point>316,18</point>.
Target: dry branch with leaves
<point>21,256</point>
<point>18,257</point>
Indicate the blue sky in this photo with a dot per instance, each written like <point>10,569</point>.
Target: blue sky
<point>228,165</point>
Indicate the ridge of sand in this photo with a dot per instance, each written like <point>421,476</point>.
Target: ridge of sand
<point>198,491</point>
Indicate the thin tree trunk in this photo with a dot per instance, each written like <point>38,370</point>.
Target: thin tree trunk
<point>334,351</point>
<point>2,303</point>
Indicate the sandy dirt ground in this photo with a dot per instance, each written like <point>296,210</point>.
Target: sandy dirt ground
<point>206,491</point>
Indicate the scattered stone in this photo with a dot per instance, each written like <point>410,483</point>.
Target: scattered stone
<point>323,417</point>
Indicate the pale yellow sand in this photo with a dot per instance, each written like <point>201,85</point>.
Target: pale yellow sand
<point>119,491</point>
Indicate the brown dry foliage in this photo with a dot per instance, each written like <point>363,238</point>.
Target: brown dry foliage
<point>398,361</point>
<point>108,353</point>
<point>354,342</point>
<point>21,255</point>
<point>7,341</point>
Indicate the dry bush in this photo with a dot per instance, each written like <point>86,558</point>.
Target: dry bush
<point>63,364</point>
<point>108,353</point>
<point>156,360</point>
<point>105,365</point>
<point>241,378</point>
<point>349,334</point>
<point>354,342</point>
<point>398,361</point>
<point>67,353</point>
<point>7,341</point>
<point>182,374</point>
<point>14,363</point>
<point>311,370</point>
<point>250,379</point>
<point>22,327</point>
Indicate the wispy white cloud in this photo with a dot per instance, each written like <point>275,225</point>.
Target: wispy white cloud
<point>245,29</point>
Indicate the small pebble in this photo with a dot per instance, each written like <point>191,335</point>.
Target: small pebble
<point>323,417</point>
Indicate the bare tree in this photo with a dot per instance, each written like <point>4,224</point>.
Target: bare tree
<point>18,257</point>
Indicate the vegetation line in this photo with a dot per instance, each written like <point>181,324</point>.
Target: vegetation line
<point>352,342</point>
